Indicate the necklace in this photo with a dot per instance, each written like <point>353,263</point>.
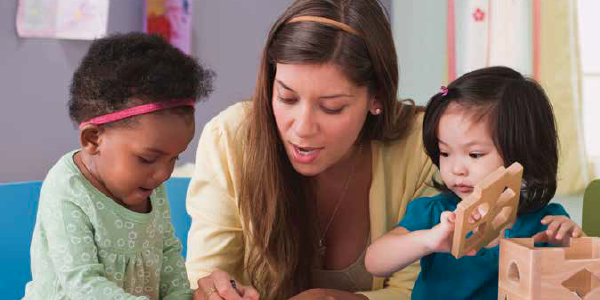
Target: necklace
<point>322,248</point>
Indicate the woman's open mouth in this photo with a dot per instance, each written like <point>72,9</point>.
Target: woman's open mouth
<point>305,155</point>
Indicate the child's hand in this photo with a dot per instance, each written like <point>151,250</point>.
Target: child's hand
<point>440,236</point>
<point>475,216</point>
<point>560,230</point>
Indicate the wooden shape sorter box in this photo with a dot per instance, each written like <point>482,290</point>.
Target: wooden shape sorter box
<point>549,273</point>
<point>496,198</point>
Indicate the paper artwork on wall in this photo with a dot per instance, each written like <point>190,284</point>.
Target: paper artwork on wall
<point>172,20</point>
<point>62,19</point>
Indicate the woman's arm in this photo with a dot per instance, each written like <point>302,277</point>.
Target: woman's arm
<point>327,294</point>
<point>215,239</point>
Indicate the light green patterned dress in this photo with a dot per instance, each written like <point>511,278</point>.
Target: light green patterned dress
<point>86,246</point>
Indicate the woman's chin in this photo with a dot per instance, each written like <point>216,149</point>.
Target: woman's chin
<point>307,170</point>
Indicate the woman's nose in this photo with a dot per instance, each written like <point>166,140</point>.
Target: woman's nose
<point>305,125</point>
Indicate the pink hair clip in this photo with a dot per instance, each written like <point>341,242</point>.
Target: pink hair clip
<point>444,91</point>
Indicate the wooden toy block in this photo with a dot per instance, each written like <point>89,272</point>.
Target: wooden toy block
<point>549,273</point>
<point>496,198</point>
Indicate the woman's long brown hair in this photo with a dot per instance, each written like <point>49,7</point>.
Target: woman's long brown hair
<point>276,202</point>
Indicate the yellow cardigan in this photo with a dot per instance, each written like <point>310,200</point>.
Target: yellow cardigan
<point>216,237</point>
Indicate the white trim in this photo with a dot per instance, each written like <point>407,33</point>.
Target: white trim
<point>575,89</point>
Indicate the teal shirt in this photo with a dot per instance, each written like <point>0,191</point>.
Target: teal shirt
<point>86,246</point>
<point>469,277</point>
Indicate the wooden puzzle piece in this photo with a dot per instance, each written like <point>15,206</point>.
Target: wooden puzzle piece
<point>549,273</point>
<point>496,198</point>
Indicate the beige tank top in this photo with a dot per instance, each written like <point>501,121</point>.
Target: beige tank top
<point>354,278</point>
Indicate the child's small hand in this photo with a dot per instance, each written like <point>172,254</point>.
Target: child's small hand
<point>440,236</point>
<point>474,217</point>
<point>560,230</point>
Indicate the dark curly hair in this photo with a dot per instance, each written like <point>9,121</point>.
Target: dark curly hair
<point>521,122</point>
<point>124,70</point>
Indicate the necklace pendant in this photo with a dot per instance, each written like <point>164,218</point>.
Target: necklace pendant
<point>322,250</point>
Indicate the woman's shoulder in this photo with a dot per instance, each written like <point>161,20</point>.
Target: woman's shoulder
<point>223,136</point>
<point>407,153</point>
<point>412,139</point>
<point>230,119</point>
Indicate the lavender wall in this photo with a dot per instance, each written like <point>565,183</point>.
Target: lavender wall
<point>35,129</point>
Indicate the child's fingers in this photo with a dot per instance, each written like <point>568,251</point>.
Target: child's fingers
<point>446,224</point>
<point>540,237</point>
<point>471,253</point>
<point>576,232</point>
<point>448,217</point>
<point>547,219</point>
<point>553,226</point>
<point>474,217</point>
<point>565,229</point>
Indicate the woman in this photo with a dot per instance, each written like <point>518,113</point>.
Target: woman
<point>289,190</point>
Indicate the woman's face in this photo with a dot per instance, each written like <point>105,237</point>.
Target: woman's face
<point>319,114</point>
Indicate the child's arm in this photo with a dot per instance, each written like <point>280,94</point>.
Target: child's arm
<point>399,248</point>
<point>73,253</point>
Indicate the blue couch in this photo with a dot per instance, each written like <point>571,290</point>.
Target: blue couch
<point>20,200</point>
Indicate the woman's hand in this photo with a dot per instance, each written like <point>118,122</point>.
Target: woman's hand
<point>312,294</point>
<point>219,285</point>
<point>326,294</point>
<point>560,230</point>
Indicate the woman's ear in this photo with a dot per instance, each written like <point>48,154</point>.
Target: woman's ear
<point>90,137</point>
<point>375,106</point>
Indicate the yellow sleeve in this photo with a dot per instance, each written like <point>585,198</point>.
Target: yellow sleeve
<point>215,239</point>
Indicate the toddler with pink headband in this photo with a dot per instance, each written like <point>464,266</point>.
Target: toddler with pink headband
<point>103,228</point>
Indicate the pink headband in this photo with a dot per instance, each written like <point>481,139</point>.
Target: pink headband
<point>134,111</point>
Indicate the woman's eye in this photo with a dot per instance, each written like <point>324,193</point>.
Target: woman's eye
<point>333,111</point>
<point>146,160</point>
<point>287,100</point>
<point>443,154</point>
<point>475,155</point>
